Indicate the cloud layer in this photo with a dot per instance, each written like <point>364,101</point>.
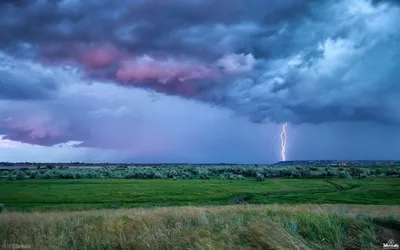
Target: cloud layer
<point>301,61</point>
<point>130,124</point>
<point>71,70</point>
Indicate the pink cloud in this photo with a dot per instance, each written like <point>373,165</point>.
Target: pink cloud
<point>100,57</point>
<point>92,57</point>
<point>33,130</point>
<point>163,71</point>
<point>174,76</point>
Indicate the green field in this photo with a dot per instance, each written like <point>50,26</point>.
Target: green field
<point>83,194</point>
<point>324,213</point>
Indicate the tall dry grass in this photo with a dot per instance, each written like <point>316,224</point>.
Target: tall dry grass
<point>223,227</point>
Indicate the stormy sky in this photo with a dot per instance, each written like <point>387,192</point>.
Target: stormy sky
<point>199,80</point>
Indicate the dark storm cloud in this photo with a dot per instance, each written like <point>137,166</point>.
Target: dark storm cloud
<point>137,26</point>
<point>383,1</point>
<point>65,31</point>
<point>100,36</point>
<point>23,82</point>
<point>297,61</point>
<point>13,87</point>
<point>342,66</point>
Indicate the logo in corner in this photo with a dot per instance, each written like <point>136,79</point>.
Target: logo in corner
<point>390,245</point>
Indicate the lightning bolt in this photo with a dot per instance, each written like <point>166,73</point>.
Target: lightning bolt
<point>283,142</point>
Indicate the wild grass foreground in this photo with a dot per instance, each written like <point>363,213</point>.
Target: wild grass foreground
<point>226,227</point>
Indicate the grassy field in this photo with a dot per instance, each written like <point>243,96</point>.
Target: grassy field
<point>83,194</point>
<point>300,213</point>
<point>219,227</point>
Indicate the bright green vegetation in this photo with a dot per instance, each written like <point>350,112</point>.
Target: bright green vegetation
<point>33,195</point>
<point>224,227</point>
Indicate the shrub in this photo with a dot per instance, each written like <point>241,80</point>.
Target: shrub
<point>304,172</point>
<point>240,177</point>
<point>20,175</point>
<point>204,177</point>
<point>33,175</point>
<point>10,177</point>
<point>47,175</point>
<point>39,176</point>
<point>345,174</point>
<point>348,176</point>
<point>260,177</point>
<point>204,174</point>
<point>342,174</point>
<point>172,174</point>
<point>330,173</point>
<point>159,175</point>
<point>355,172</point>
<point>228,176</point>
<point>129,175</point>
<point>2,207</point>
<point>391,172</point>
<point>366,172</point>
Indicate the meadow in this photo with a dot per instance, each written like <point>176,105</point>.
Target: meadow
<point>40,195</point>
<point>215,207</point>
